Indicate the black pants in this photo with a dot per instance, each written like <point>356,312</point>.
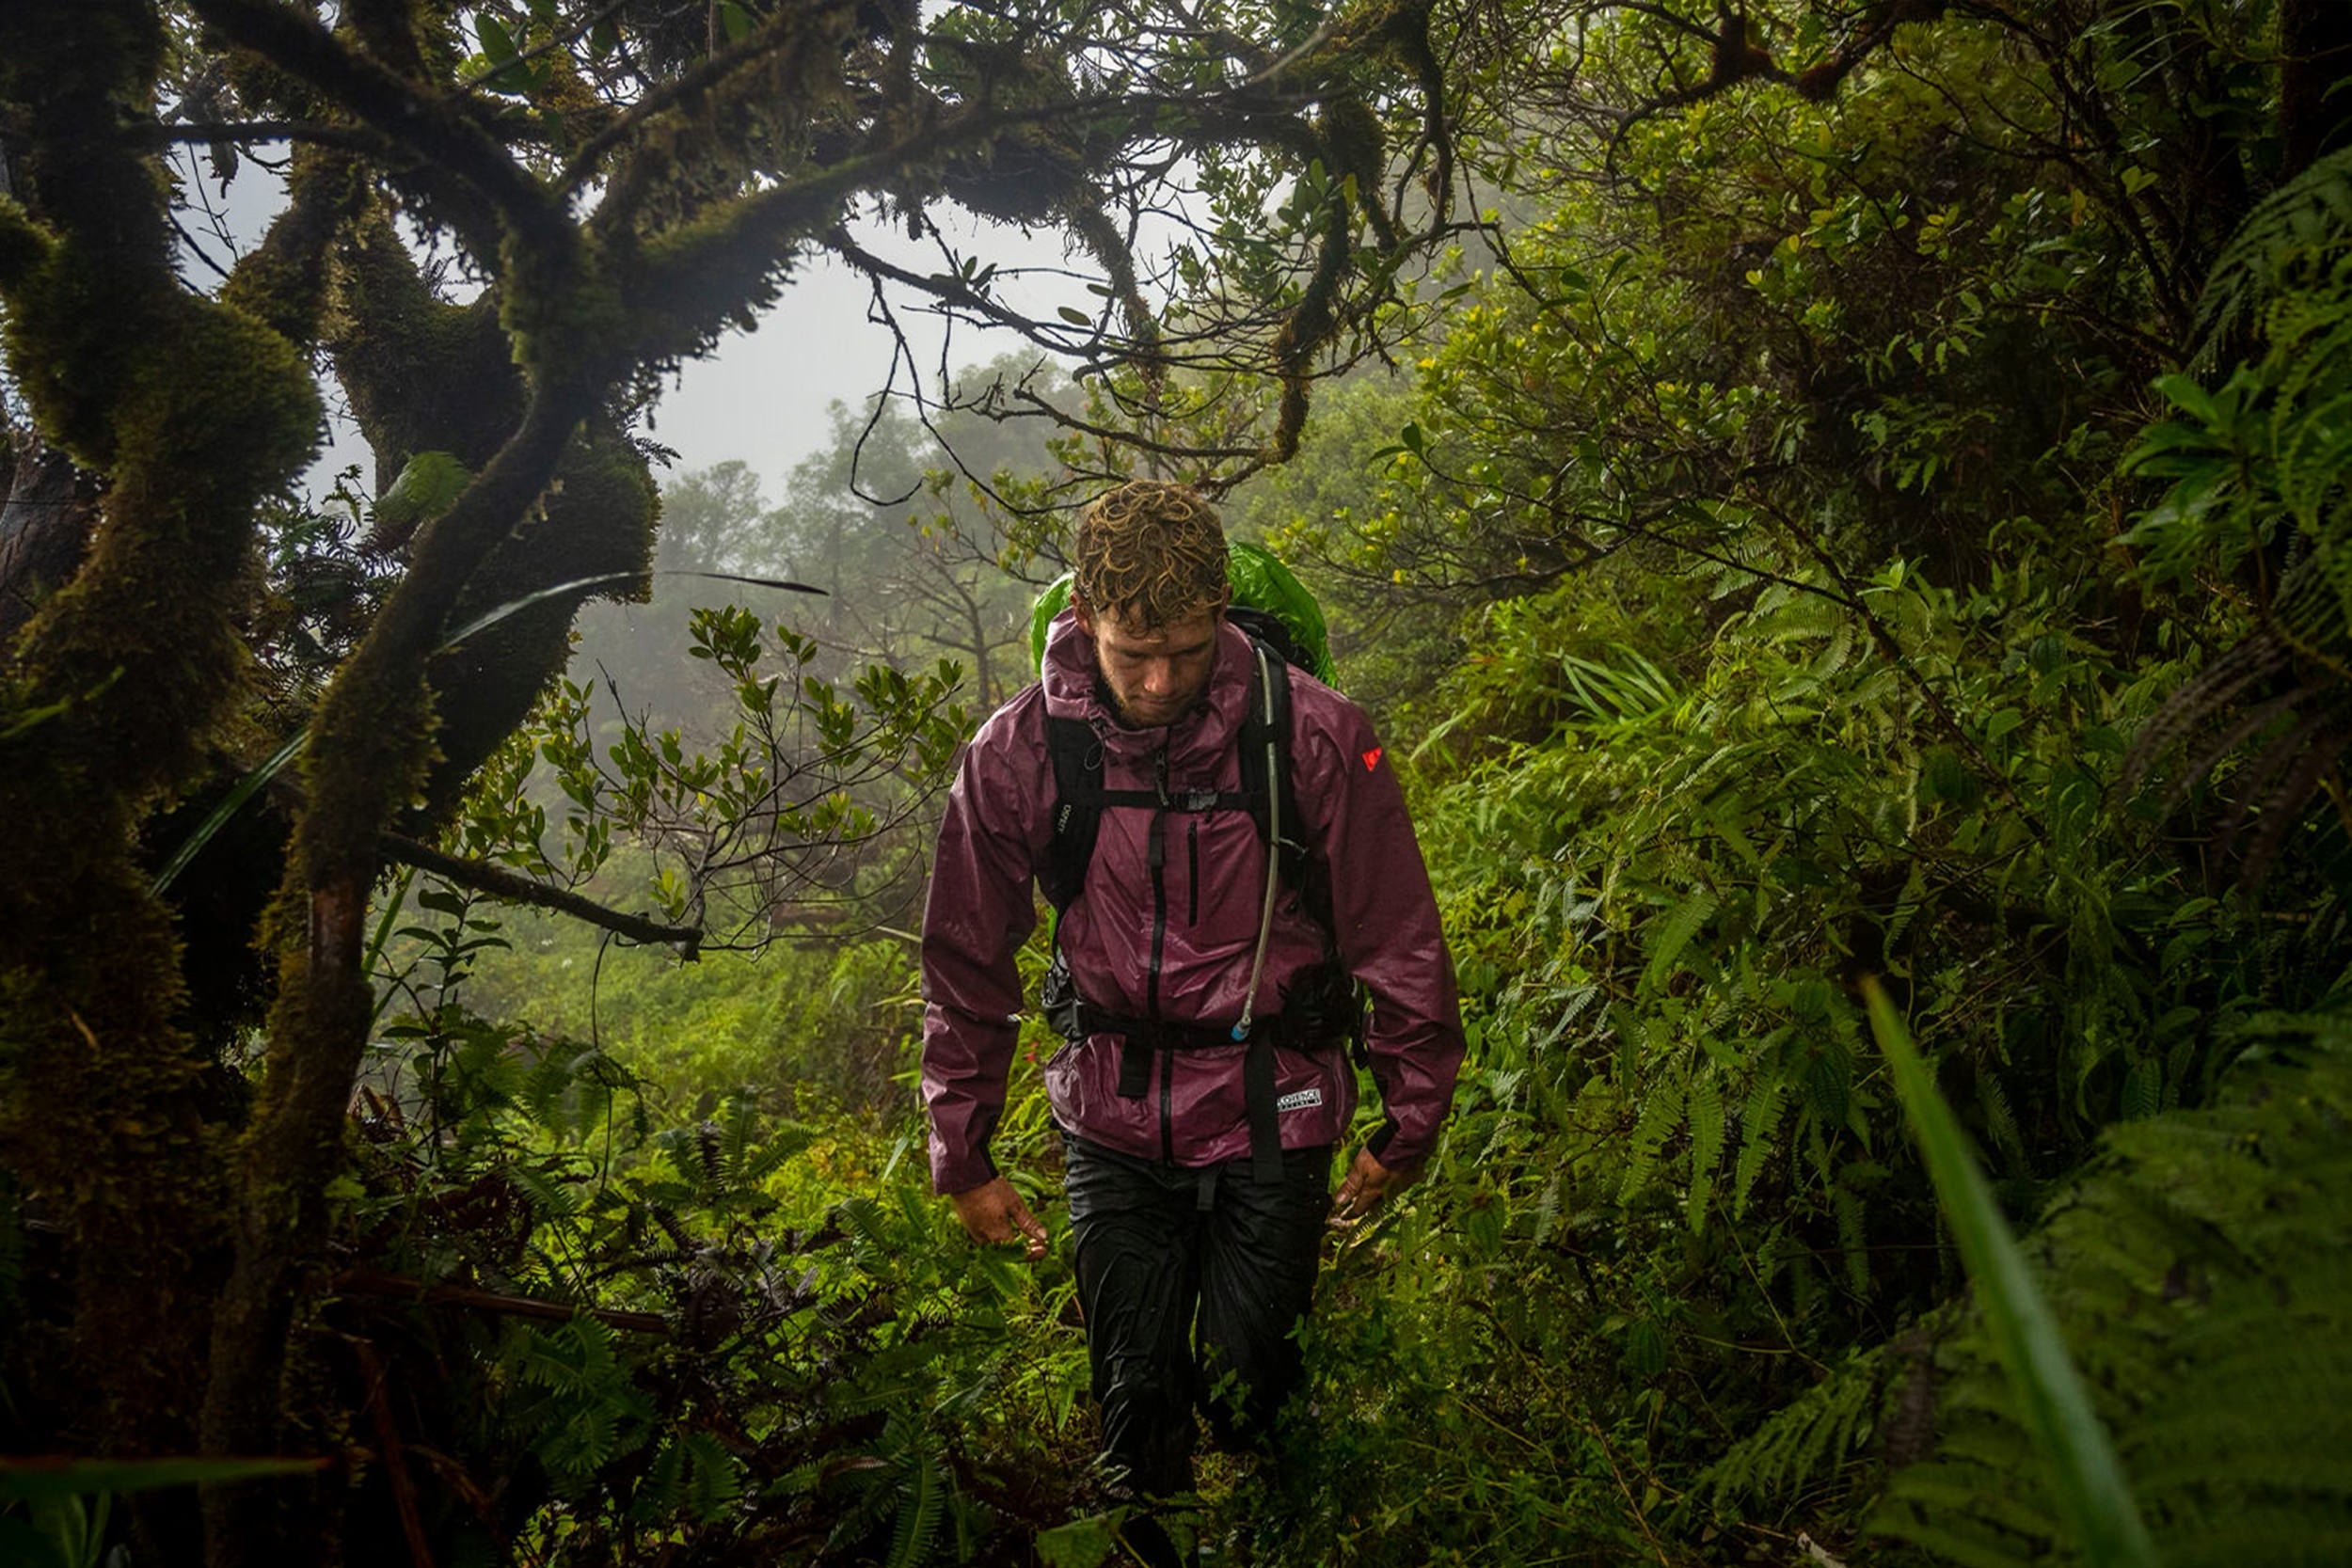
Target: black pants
<point>1169,1256</point>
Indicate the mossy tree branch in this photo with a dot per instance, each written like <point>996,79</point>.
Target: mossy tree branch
<point>458,163</point>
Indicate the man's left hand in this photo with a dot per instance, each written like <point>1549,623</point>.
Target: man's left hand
<point>1368,1184</point>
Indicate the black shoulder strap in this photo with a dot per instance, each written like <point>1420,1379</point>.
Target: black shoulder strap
<point>1270,719</point>
<point>1077,756</point>
<point>1077,753</point>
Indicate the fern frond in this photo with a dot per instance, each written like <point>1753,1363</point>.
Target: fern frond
<point>800,1479</point>
<point>714,1478</point>
<point>922,1495</point>
<point>1759,1127</point>
<point>2276,1538</point>
<point>573,1358</point>
<point>1705,1110</point>
<point>2241,1449</point>
<point>1956,1540</point>
<point>1984,1496</point>
<point>2263,654</point>
<point>1547,1208</point>
<point>2000,1123</point>
<point>1674,933</point>
<point>666,1481</point>
<point>547,1191</point>
<point>1662,1113</point>
<point>2203,1273</point>
<point>870,1231</point>
<point>1807,1439</point>
<point>580,1443</point>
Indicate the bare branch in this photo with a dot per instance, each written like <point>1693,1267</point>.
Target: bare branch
<point>376,1282</point>
<point>498,882</point>
<point>156,133</point>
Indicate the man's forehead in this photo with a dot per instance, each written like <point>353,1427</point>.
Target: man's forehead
<point>1192,632</point>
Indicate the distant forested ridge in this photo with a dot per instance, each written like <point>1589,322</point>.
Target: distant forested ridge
<point>1821,500</point>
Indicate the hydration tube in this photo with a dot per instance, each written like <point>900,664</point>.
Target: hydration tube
<point>1273,844</point>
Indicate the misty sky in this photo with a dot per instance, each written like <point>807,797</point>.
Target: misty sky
<point>763,396</point>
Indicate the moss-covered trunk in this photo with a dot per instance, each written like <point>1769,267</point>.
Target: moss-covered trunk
<point>112,692</point>
<point>369,750</point>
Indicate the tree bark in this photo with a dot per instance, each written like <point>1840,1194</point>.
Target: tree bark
<point>427,376</point>
<point>44,531</point>
<point>117,688</point>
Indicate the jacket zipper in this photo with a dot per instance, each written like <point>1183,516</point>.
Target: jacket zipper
<point>1192,851</point>
<point>1157,859</point>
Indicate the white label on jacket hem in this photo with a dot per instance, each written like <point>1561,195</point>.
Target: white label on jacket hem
<point>1301,1100</point>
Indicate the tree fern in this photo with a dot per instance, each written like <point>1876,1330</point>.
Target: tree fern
<point>2204,1274</point>
<point>2303,220</point>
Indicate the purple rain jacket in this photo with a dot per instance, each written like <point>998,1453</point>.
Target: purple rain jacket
<point>996,833</point>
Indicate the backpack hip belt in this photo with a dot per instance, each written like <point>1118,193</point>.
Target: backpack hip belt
<point>1141,1039</point>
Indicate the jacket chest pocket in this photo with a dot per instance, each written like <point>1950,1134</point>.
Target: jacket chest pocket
<point>1223,870</point>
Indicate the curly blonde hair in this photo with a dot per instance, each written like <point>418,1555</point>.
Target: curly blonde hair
<point>1148,554</point>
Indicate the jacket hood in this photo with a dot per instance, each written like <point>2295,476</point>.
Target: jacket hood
<point>1073,691</point>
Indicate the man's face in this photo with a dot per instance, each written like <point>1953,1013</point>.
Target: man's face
<point>1154,677</point>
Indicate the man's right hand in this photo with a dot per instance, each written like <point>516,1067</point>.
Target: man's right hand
<point>993,1214</point>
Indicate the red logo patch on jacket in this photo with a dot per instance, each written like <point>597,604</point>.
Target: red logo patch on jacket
<point>1371,759</point>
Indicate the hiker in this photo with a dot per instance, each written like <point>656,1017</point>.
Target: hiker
<point>1206,990</point>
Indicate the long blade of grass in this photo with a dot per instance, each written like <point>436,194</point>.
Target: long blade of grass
<point>229,805</point>
<point>2088,1479</point>
<point>489,618</point>
<point>22,1479</point>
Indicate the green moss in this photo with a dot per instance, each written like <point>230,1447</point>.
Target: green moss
<point>194,410</point>
<point>283,281</point>
<point>149,624</point>
<point>422,374</point>
<point>565,316</point>
<point>23,245</point>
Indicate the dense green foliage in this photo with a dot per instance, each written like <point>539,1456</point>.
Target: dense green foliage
<point>1865,502</point>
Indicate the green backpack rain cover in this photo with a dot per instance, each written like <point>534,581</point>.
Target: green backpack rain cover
<point>1260,582</point>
